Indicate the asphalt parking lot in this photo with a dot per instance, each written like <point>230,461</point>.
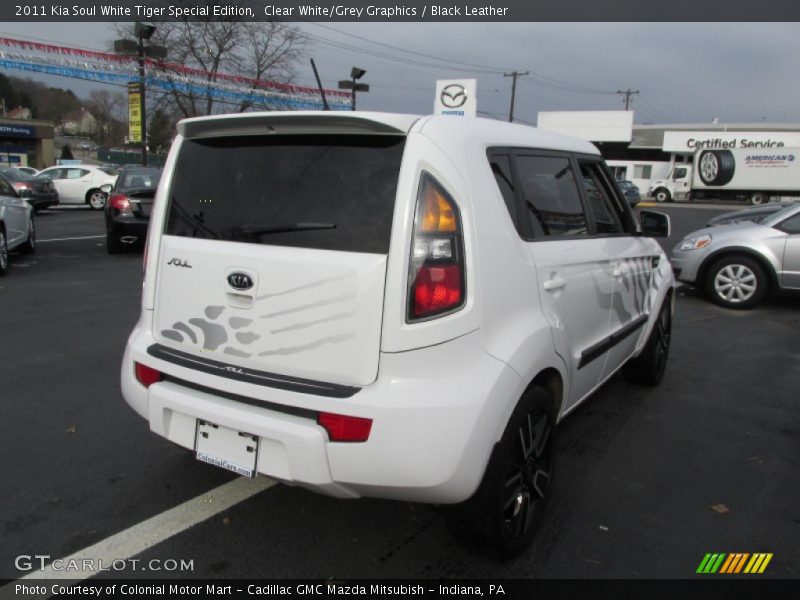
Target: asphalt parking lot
<point>649,480</point>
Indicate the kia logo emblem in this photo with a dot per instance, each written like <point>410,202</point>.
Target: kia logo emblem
<point>240,281</point>
<point>453,95</point>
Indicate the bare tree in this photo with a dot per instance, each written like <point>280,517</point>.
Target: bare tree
<point>108,109</point>
<point>256,51</point>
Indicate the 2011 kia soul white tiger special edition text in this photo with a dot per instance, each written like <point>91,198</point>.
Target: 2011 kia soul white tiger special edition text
<point>391,306</point>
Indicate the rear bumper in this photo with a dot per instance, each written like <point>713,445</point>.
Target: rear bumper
<point>432,433</point>
<point>42,202</point>
<point>120,227</point>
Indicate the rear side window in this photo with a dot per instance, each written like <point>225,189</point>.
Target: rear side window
<point>551,196</point>
<point>320,192</point>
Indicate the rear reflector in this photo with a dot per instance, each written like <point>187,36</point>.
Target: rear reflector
<point>147,376</point>
<point>342,428</point>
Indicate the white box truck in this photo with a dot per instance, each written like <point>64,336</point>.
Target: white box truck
<point>744,174</point>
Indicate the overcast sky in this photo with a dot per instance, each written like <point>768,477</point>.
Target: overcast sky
<point>684,72</point>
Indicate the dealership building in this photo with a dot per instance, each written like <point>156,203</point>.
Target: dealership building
<point>645,153</point>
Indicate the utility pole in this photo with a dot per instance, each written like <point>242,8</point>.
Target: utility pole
<point>627,93</point>
<point>513,74</point>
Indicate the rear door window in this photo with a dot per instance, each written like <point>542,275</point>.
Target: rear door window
<point>601,204</point>
<point>320,192</point>
<point>551,196</point>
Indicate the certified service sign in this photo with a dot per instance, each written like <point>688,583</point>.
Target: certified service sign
<point>456,97</point>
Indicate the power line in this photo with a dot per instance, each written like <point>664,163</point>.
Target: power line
<point>497,70</point>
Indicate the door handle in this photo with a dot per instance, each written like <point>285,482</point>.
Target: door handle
<point>551,285</point>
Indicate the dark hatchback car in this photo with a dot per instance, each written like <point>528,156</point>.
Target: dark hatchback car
<point>37,190</point>
<point>631,192</point>
<point>128,208</point>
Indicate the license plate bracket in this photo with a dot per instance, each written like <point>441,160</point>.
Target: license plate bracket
<point>236,451</point>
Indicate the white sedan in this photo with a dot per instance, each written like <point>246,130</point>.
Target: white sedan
<point>82,184</point>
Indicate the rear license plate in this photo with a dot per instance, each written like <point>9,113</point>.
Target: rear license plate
<point>233,450</point>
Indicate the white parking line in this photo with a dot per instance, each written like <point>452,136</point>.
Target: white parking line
<point>157,529</point>
<point>86,237</point>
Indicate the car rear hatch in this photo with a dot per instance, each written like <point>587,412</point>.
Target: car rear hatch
<point>141,201</point>
<point>273,258</point>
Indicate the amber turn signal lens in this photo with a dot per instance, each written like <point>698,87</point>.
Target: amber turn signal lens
<point>438,215</point>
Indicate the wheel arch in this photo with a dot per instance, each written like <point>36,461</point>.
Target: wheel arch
<point>769,269</point>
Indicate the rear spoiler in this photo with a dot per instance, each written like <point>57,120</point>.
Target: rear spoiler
<point>301,122</point>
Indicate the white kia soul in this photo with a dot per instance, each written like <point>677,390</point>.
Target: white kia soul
<point>391,306</point>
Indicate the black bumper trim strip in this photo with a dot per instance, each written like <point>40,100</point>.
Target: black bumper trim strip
<point>306,413</point>
<point>615,338</point>
<point>263,378</point>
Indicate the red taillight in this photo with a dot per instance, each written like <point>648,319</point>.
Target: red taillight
<point>20,185</point>
<point>436,269</point>
<point>119,202</point>
<point>436,289</point>
<point>147,376</point>
<point>342,428</point>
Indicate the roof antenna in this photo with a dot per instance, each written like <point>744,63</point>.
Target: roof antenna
<point>319,83</point>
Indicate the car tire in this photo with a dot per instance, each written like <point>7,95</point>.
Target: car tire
<point>113,245</point>
<point>716,167</point>
<point>736,282</point>
<point>3,253</point>
<point>507,509</point>
<point>96,199</point>
<point>29,245</point>
<point>648,368</point>
<point>758,198</point>
<point>662,195</point>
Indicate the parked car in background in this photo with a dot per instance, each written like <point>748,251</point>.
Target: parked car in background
<point>37,190</point>
<point>282,333</point>
<point>82,184</point>
<point>127,212</point>
<point>737,264</point>
<point>17,227</point>
<point>755,214</point>
<point>28,170</point>
<point>631,192</point>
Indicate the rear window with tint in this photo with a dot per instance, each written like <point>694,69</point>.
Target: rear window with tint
<point>321,192</point>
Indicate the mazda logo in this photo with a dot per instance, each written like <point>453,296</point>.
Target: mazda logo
<point>240,281</point>
<point>453,95</point>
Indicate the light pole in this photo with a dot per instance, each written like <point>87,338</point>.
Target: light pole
<point>350,84</point>
<point>143,31</point>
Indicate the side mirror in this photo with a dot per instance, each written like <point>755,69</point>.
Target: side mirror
<point>654,224</point>
<point>106,188</point>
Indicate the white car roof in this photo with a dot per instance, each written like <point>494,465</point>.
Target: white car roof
<point>449,130</point>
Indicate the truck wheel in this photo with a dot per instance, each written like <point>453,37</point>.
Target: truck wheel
<point>506,510</point>
<point>736,282</point>
<point>662,195</point>
<point>759,198</point>
<point>716,167</point>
